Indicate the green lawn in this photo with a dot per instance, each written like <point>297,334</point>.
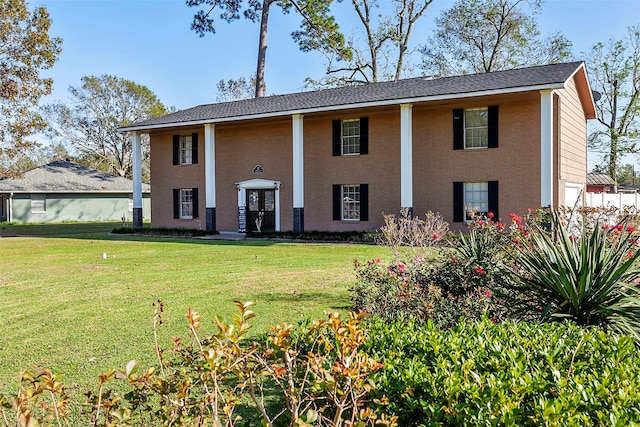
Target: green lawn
<point>65,307</point>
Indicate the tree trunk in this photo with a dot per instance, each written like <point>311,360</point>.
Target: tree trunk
<point>262,49</point>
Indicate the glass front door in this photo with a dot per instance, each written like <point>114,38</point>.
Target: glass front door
<point>261,210</point>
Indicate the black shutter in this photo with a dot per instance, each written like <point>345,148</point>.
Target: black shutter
<point>337,137</point>
<point>364,202</point>
<point>194,148</point>
<point>337,202</point>
<point>194,195</point>
<point>364,135</point>
<point>176,149</point>
<point>458,129</point>
<point>493,126</point>
<point>458,202</point>
<point>493,199</point>
<point>176,203</point>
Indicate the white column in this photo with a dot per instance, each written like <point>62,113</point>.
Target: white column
<point>137,178</point>
<point>210,164</point>
<point>546,148</point>
<point>406,156</point>
<point>298,162</point>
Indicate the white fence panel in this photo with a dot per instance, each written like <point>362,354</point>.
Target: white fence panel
<point>618,200</point>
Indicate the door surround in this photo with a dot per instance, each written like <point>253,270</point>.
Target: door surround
<point>258,184</point>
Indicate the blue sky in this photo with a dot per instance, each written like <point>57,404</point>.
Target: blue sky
<point>150,42</point>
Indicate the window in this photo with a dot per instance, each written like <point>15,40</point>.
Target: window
<point>185,149</point>
<point>351,137</point>
<point>475,128</point>
<point>185,203</point>
<point>38,203</point>
<point>476,122</point>
<point>474,198</point>
<point>350,202</point>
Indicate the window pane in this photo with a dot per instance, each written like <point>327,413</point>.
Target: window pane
<point>254,200</point>
<point>476,199</point>
<point>351,136</point>
<point>185,150</point>
<point>476,124</point>
<point>351,202</point>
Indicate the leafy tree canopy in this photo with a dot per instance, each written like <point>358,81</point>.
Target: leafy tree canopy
<point>89,125</point>
<point>26,49</point>
<point>479,36</point>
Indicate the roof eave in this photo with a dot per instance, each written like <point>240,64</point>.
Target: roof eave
<point>412,100</point>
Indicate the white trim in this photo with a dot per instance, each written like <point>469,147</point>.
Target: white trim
<point>406,156</point>
<point>243,186</point>
<point>298,161</point>
<point>347,106</point>
<point>546,148</point>
<point>137,169</point>
<point>210,165</point>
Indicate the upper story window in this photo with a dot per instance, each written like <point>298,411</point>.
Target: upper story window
<point>476,124</point>
<point>351,137</point>
<point>475,128</point>
<point>185,149</point>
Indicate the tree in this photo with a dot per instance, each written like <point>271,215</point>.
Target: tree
<point>90,126</point>
<point>26,49</point>
<point>480,36</point>
<point>318,30</point>
<point>235,89</point>
<point>614,72</point>
<point>383,54</point>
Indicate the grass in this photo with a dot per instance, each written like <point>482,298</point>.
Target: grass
<point>67,308</point>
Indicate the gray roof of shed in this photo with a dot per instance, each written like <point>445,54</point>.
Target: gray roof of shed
<point>67,177</point>
<point>421,88</point>
<point>596,178</point>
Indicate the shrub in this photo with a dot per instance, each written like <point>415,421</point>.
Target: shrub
<point>590,278</point>
<point>510,373</point>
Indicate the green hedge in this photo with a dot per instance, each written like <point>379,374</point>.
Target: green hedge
<point>511,374</point>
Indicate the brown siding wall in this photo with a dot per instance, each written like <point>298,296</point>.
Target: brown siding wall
<point>572,148</point>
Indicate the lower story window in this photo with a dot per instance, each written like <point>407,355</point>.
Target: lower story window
<point>185,203</point>
<point>350,202</point>
<point>474,198</point>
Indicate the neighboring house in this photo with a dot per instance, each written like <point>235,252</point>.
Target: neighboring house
<point>338,159</point>
<point>65,191</point>
<point>600,183</point>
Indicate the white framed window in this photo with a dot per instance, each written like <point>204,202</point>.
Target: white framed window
<point>186,203</point>
<point>476,127</point>
<point>351,137</point>
<point>38,203</point>
<point>186,150</point>
<point>351,202</point>
<point>476,199</point>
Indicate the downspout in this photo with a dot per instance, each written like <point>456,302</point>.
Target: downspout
<point>11,208</point>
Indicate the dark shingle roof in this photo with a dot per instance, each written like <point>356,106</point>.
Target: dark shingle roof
<point>67,177</point>
<point>530,78</point>
<point>599,179</point>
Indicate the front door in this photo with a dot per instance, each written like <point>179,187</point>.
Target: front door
<point>261,210</point>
